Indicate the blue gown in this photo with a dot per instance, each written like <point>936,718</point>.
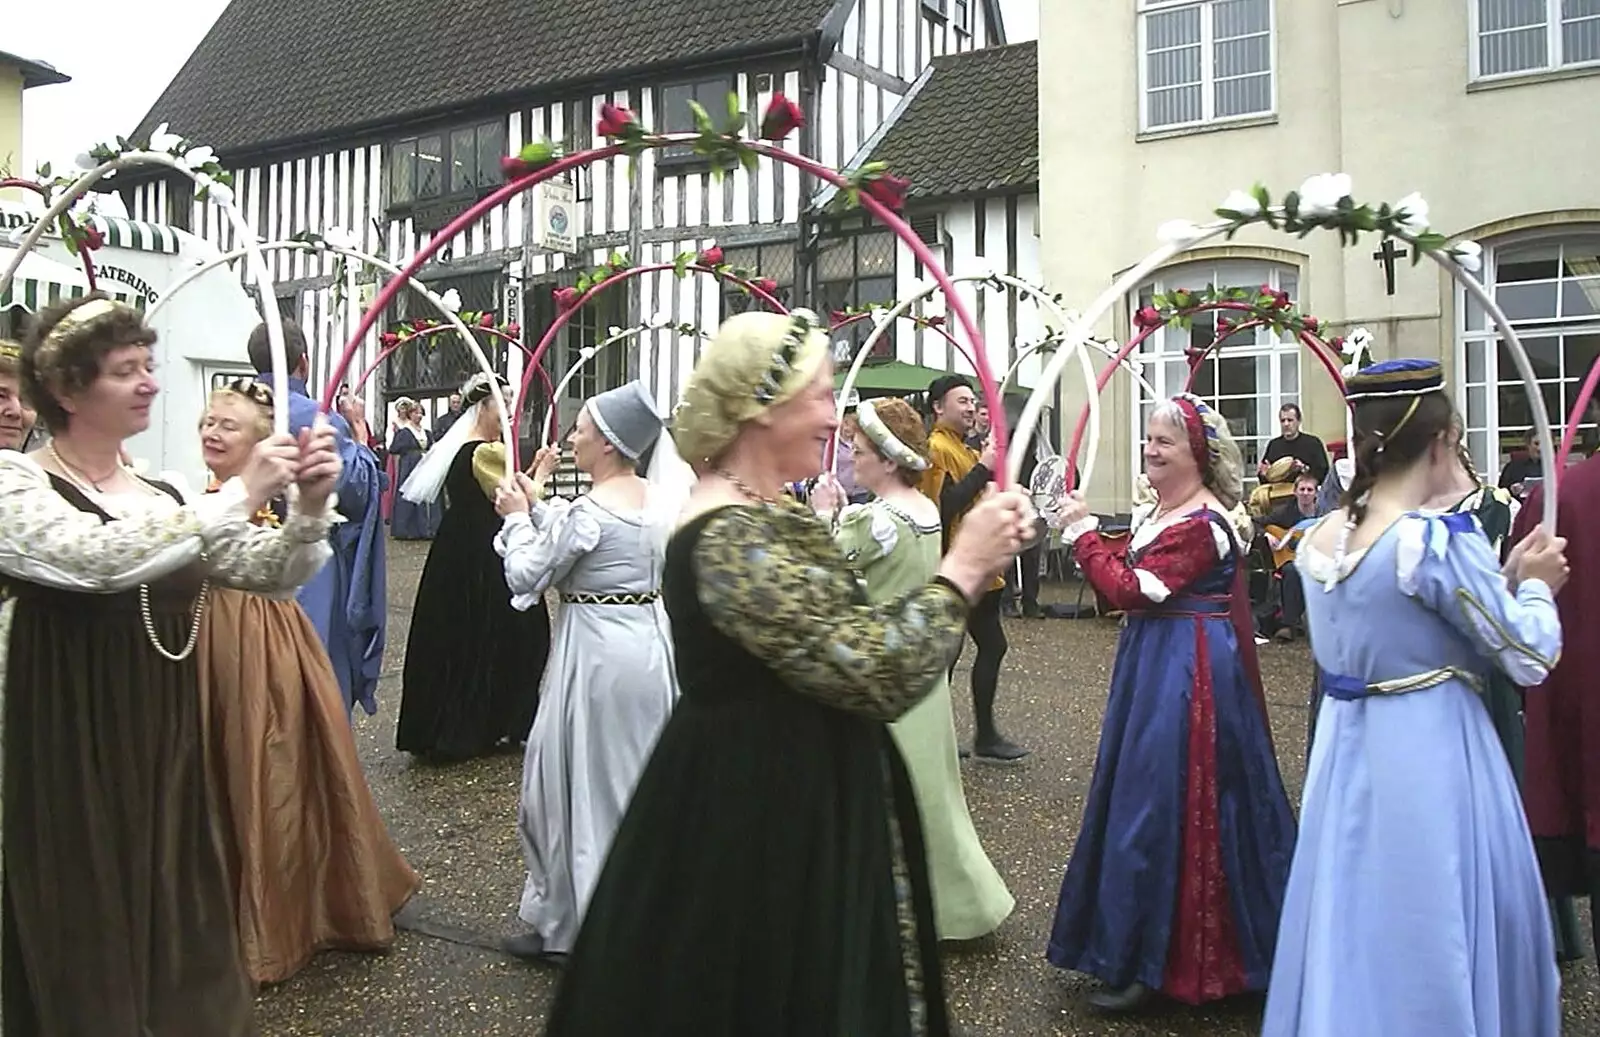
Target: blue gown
<point>411,521</point>
<point>1415,904</point>
<point>347,601</point>
<point>1178,875</point>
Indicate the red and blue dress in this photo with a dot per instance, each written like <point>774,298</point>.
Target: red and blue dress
<point>1178,876</point>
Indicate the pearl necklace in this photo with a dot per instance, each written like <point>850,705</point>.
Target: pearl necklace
<point>145,613</point>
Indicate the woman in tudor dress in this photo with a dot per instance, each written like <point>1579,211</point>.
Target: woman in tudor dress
<point>1415,904</point>
<point>118,916</point>
<point>893,541</point>
<point>473,662</point>
<point>768,877</point>
<point>311,862</point>
<point>1178,875</point>
<point>407,444</point>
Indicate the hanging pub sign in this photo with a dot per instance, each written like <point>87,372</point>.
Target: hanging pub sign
<point>559,216</point>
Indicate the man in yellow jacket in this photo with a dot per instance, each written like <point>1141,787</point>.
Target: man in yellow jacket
<point>955,477</point>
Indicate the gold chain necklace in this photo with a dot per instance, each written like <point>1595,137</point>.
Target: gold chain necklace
<point>73,473</point>
<point>745,488</point>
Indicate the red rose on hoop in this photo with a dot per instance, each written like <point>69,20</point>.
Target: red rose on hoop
<point>566,298</point>
<point>711,256</point>
<point>1148,318</point>
<point>1281,300</point>
<point>388,339</point>
<point>92,238</point>
<point>782,118</point>
<point>486,321</point>
<point>889,190</point>
<point>1310,324</point>
<point>615,121</point>
<point>934,322</point>
<point>766,284</point>
<point>514,330</point>
<point>420,324</point>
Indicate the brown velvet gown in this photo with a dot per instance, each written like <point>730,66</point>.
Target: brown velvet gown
<point>310,863</point>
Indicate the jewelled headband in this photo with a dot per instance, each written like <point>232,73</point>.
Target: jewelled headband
<point>75,318</point>
<point>1203,442</point>
<point>801,324</point>
<point>252,389</point>
<point>892,446</point>
<point>477,388</point>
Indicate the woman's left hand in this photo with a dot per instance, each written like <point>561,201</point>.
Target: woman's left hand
<point>1073,509</point>
<point>318,471</point>
<point>509,498</point>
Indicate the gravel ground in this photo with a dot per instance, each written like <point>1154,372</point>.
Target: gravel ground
<point>455,825</point>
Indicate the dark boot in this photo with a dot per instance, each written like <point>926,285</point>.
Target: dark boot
<point>528,946</point>
<point>1130,998</point>
<point>997,748</point>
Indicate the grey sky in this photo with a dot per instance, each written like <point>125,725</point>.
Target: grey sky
<point>113,85</point>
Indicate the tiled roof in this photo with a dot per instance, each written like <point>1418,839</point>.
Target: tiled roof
<point>274,72</point>
<point>34,73</point>
<point>972,126</point>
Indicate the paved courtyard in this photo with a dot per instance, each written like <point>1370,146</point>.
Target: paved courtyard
<point>455,824</point>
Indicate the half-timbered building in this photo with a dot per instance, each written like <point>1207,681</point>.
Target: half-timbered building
<point>388,118</point>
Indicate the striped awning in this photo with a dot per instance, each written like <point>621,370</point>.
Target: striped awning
<point>41,282</point>
<point>136,234</point>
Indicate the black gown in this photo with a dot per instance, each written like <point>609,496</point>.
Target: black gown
<point>769,875</point>
<point>473,663</point>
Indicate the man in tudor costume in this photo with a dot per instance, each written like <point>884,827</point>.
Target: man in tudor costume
<point>1177,879</point>
<point>1561,766</point>
<point>347,601</point>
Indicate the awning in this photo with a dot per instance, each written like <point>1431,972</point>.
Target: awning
<point>41,282</point>
<point>136,234</point>
<point>894,377</point>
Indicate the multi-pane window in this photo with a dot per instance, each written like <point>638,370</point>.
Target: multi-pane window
<point>1202,62</point>
<point>608,368</point>
<point>854,271</point>
<point>455,162</point>
<point>673,114</point>
<point>1515,36</point>
<point>1549,287</point>
<point>440,362</point>
<point>1247,379</point>
<point>775,262</point>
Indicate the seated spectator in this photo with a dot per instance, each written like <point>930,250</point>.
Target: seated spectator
<point>1282,613</point>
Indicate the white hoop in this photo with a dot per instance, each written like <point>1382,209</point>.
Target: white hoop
<point>279,359</point>
<point>1129,281</point>
<point>216,192</point>
<point>586,354</point>
<point>1020,436</point>
<point>1107,349</point>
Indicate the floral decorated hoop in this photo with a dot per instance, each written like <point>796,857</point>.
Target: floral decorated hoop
<point>199,164</point>
<point>79,238</point>
<point>423,327</point>
<point>614,336</point>
<point>1257,308</point>
<point>571,300</point>
<point>1105,347</point>
<point>1322,202</point>
<point>339,243</point>
<point>996,405</point>
<point>725,145</point>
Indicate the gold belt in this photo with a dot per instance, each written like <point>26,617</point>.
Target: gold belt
<point>638,598</point>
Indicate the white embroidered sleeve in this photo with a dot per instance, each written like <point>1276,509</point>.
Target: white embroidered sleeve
<point>44,539</point>
<point>271,562</point>
<point>540,547</point>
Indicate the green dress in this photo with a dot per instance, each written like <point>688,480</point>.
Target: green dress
<point>896,554</point>
<point>1504,702</point>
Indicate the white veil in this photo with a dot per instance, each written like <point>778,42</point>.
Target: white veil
<point>670,477</point>
<point>422,486</point>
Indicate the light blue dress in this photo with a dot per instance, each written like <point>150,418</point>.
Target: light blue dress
<point>1415,905</point>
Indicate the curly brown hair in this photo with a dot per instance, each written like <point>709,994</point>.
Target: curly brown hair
<point>907,425</point>
<point>62,354</point>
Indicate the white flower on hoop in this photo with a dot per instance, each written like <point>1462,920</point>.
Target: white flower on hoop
<point>164,140</point>
<point>1320,195</point>
<point>1468,255</point>
<point>451,300</point>
<point>1178,232</point>
<point>586,353</point>
<point>338,237</point>
<point>613,331</point>
<point>221,193</point>
<point>84,160</point>
<point>1411,213</point>
<point>662,319</point>
<point>1358,344</point>
<point>1242,202</point>
<point>199,158</point>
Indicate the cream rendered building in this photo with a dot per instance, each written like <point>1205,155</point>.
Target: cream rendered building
<point>16,75</point>
<point>1155,109</point>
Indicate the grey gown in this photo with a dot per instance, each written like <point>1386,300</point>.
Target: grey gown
<point>608,689</point>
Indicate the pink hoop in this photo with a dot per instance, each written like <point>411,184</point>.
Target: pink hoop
<point>44,192</point>
<point>1318,347</point>
<point>1569,437</point>
<point>389,351</point>
<point>874,208</point>
<point>566,315</point>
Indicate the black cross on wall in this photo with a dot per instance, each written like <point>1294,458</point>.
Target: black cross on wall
<point>1387,255</point>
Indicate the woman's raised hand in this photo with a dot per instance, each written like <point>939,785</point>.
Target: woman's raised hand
<point>998,526</point>
<point>270,468</point>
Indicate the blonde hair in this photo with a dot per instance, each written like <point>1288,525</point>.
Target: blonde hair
<point>263,415</point>
<point>1224,476</point>
<point>757,360</point>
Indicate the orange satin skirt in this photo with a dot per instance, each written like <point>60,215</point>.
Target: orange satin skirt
<point>309,859</point>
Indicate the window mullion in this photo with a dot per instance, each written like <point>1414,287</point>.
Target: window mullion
<point>1552,51</point>
<point>1208,71</point>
